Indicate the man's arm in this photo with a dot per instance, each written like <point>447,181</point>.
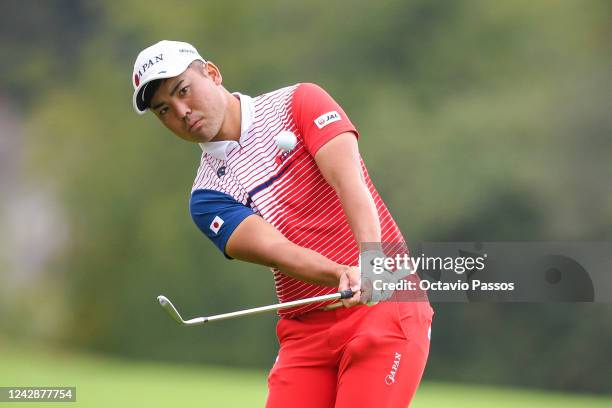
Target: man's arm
<point>257,241</point>
<point>241,234</point>
<point>340,164</point>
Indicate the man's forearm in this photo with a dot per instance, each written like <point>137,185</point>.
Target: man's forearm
<point>340,164</point>
<point>360,210</point>
<point>306,265</point>
<point>271,248</point>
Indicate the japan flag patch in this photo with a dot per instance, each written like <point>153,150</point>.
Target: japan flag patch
<point>327,118</point>
<point>216,224</point>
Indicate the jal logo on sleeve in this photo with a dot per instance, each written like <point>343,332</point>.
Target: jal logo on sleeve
<point>216,224</point>
<point>327,118</point>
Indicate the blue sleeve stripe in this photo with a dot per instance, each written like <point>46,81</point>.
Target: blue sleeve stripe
<point>217,215</point>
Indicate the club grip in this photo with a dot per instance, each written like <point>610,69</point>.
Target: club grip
<point>346,294</point>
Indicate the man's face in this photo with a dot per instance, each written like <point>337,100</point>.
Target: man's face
<point>193,104</point>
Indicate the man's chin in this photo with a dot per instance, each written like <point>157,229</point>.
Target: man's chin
<point>198,137</point>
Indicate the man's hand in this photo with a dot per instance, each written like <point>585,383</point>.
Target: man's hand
<point>351,279</point>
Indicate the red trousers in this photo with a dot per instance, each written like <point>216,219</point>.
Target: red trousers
<point>364,356</point>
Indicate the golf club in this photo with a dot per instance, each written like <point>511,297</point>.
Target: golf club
<point>173,312</point>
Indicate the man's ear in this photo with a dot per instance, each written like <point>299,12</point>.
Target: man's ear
<point>213,72</point>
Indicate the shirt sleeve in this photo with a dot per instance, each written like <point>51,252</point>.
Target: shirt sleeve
<point>217,215</point>
<point>319,117</point>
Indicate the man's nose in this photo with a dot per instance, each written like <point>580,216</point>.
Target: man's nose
<point>182,111</point>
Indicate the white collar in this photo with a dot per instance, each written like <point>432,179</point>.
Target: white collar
<point>220,150</point>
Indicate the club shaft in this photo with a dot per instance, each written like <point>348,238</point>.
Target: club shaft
<point>277,306</point>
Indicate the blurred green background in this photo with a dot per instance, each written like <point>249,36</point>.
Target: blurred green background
<point>479,120</point>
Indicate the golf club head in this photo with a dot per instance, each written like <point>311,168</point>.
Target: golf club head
<point>174,314</point>
<point>170,309</point>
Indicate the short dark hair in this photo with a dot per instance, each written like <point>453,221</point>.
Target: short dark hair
<point>153,86</point>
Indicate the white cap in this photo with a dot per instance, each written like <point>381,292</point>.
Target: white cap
<point>166,59</point>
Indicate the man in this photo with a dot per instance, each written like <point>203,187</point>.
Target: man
<point>302,210</point>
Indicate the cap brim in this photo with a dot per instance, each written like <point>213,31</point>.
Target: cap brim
<point>143,97</point>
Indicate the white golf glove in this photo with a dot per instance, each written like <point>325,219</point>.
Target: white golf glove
<point>373,270</point>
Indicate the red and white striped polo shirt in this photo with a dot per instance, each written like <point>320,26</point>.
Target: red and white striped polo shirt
<point>237,179</point>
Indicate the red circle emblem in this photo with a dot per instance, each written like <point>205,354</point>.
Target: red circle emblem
<point>216,225</point>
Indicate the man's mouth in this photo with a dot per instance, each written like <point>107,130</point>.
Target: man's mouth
<point>194,124</point>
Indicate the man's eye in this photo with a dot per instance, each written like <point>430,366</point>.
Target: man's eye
<point>163,110</point>
<point>183,90</point>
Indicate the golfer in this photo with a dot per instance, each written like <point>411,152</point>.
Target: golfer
<point>281,183</point>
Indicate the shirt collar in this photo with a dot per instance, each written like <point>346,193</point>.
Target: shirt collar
<point>220,150</point>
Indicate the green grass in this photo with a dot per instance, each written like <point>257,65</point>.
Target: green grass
<point>105,382</point>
